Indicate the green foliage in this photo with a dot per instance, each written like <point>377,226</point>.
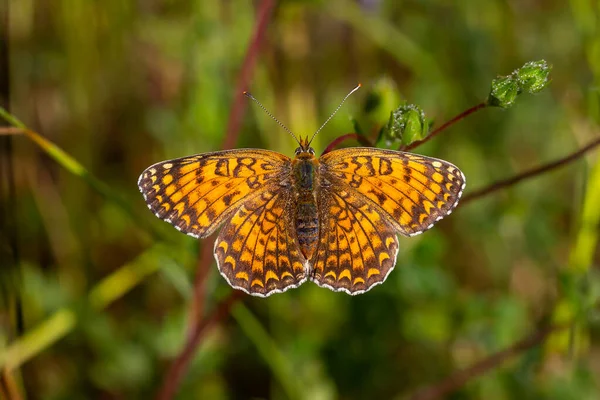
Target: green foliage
<point>406,123</point>
<point>531,78</point>
<point>505,90</point>
<point>112,87</point>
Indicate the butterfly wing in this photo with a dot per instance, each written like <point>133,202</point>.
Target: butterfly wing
<point>357,245</point>
<point>412,191</point>
<point>368,196</point>
<point>197,193</point>
<point>256,250</point>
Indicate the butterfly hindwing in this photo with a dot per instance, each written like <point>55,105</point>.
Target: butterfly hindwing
<point>256,250</point>
<point>357,245</point>
<point>412,191</point>
<point>195,194</point>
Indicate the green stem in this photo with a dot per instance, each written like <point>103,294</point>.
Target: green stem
<point>437,131</point>
<point>108,290</point>
<point>267,348</point>
<point>585,243</point>
<point>76,168</point>
<point>580,261</point>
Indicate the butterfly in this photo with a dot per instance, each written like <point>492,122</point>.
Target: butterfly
<point>334,219</point>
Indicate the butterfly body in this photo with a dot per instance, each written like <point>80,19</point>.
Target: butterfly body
<point>305,169</point>
<point>334,220</point>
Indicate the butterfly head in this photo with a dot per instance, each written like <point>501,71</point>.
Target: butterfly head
<point>304,150</point>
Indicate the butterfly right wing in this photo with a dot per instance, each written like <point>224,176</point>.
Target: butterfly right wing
<point>196,194</point>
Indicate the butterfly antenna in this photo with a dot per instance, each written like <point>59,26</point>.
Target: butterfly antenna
<point>333,113</point>
<point>285,128</point>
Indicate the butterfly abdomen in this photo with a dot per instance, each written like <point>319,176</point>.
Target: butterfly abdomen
<point>307,226</point>
<point>306,218</point>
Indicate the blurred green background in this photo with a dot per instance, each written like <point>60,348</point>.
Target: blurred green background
<point>120,85</point>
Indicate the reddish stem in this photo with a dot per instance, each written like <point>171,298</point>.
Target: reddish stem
<point>460,378</point>
<point>205,261</point>
<point>197,326</point>
<point>531,173</point>
<point>10,130</point>
<point>437,131</point>
<point>180,365</point>
<point>239,103</point>
<point>334,143</point>
<point>9,389</point>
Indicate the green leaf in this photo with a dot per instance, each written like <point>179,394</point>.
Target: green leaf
<point>406,123</point>
<point>533,76</point>
<point>505,90</point>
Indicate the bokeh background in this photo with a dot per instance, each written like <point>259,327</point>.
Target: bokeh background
<point>104,288</point>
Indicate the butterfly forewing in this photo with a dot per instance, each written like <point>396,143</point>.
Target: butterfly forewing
<point>195,194</point>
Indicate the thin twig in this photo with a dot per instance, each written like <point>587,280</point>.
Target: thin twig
<point>197,325</point>
<point>336,142</point>
<point>459,378</point>
<point>365,142</point>
<point>202,269</point>
<point>530,174</point>
<point>179,366</point>
<point>8,386</point>
<point>437,131</point>
<point>10,130</point>
<point>239,104</point>
<point>11,275</point>
<point>73,166</point>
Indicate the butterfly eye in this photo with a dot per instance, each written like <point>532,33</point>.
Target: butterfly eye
<point>311,151</point>
<point>298,150</point>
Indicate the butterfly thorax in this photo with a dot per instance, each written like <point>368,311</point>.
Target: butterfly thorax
<point>305,181</point>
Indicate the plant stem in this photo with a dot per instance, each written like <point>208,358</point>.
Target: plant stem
<point>529,174</point>
<point>62,321</point>
<point>203,265</point>
<point>459,378</point>
<point>336,142</point>
<point>178,368</point>
<point>76,168</point>
<point>11,130</point>
<point>265,12</point>
<point>437,131</point>
<point>197,325</point>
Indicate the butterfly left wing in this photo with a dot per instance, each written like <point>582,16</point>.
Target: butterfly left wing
<point>357,245</point>
<point>197,193</point>
<point>257,250</point>
<point>412,191</point>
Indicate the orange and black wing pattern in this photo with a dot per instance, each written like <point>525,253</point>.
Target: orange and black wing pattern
<point>368,196</point>
<point>196,194</point>
<point>257,249</point>
<point>357,245</point>
<point>412,191</point>
<point>365,198</point>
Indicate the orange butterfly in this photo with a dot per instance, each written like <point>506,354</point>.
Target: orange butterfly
<point>333,220</point>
